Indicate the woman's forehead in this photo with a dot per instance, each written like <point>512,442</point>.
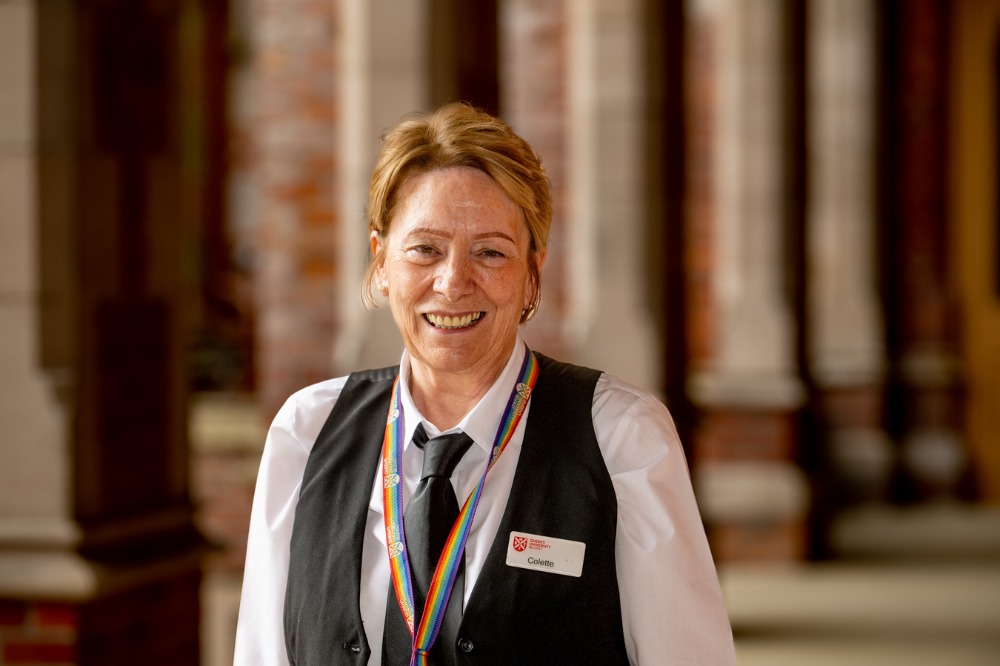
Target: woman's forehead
<point>457,197</point>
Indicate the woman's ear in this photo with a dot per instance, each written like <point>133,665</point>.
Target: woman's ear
<point>535,278</point>
<point>378,258</point>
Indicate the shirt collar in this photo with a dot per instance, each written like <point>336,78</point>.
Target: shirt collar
<point>481,424</point>
<point>483,421</point>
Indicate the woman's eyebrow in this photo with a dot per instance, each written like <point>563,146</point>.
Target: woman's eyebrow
<point>418,231</point>
<point>494,234</point>
<point>426,231</point>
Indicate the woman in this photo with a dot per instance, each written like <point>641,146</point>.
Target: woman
<point>580,541</point>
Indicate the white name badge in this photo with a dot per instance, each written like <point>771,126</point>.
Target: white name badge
<point>542,553</point>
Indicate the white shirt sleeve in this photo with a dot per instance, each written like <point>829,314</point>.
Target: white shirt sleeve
<point>260,636</point>
<point>672,606</point>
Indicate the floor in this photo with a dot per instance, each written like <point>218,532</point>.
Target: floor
<point>884,614</point>
<point>915,588</point>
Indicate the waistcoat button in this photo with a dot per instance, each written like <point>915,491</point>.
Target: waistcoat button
<point>465,645</point>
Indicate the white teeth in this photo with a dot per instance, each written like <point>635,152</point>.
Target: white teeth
<point>453,322</point>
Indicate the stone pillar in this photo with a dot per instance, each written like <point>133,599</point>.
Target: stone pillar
<point>608,320</point>
<point>384,74</point>
<point>846,338</point>
<point>752,493</point>
<point>533,66</point>
<point>925,408</point>
<point>282,186</point>
<point>36,502</point>
<point>99,559</point>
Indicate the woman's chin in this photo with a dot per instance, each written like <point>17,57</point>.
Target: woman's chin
<point>456,356</point>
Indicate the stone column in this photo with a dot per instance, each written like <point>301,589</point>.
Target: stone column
<point>384,75</point>
<point>608,321</point>
<point>845,347</point>
<point>99,559</point>
<point>282,186</point>
<point>925,408</point>
<point>533,62</point>
<point>752,492</point>
<point>36,500</point>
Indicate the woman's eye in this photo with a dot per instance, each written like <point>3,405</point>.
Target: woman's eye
<point>492,253</point>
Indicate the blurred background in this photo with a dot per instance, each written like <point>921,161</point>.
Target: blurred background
<point>780,215</point>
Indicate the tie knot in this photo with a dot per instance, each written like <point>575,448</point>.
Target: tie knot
<point>441,454</point>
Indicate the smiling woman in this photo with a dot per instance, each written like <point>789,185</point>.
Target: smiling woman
<point>547,456</point>
<point>455,264</point>
<point>459,136</point>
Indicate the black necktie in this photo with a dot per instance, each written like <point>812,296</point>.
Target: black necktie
<point>426,523</point>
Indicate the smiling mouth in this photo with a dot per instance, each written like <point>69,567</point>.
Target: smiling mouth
<point>449,323</point>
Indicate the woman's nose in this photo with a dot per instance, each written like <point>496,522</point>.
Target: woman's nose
<point>454,278</point>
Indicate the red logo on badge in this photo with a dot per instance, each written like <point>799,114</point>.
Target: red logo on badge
<point>520,543</point>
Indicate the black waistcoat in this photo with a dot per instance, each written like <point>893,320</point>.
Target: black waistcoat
<point>561,489</point>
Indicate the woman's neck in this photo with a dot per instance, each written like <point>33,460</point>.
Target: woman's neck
<point>445,398</point>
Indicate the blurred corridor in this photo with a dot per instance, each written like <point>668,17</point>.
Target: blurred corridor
<point>779,215</point>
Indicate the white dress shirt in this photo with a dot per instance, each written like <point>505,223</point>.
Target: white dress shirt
<point>672,606</point>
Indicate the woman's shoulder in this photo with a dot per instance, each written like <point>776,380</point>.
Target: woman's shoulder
<point>614,397</point>
<point>304,412</point>
<point>633,425</point>
<point>324,392</point>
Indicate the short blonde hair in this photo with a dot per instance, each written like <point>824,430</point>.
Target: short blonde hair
<point>460,135</point>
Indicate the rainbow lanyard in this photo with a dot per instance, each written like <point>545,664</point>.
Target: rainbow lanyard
<point>392,506</point>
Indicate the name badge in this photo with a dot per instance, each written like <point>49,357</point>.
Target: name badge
<point>542,553</point>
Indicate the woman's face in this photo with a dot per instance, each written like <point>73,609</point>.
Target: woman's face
<point>455,270</point>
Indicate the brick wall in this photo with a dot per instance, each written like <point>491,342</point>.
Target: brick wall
<point>284,158</point>
<point>147,623</point>
<point>700,204</point>
<point>925,408</point>
<point>776,530</point>
<point>533,100</point>
<point>37,633</point>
